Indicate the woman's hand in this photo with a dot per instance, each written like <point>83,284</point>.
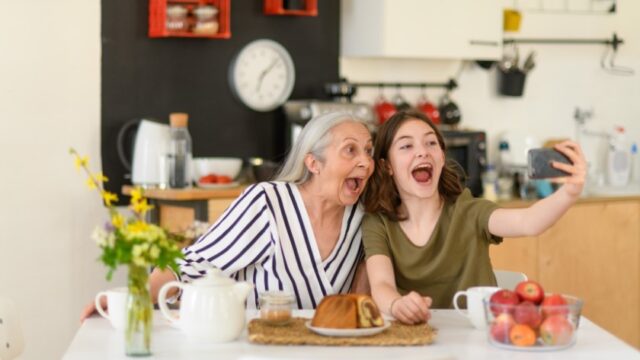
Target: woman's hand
<point>411,308</point>
<point>91,308</point>
<point>574,183</point>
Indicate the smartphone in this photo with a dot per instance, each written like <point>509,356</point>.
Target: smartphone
<point>539,163</point>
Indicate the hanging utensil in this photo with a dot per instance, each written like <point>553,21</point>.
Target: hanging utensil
<point>399,101</point>
<point>449,111</point>
<point>529,62</point>
<point>427,107</point>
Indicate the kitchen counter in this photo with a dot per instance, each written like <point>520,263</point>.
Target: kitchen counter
<point>456,339</point>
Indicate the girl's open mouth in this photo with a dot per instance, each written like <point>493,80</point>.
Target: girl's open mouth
<point>422,173</point>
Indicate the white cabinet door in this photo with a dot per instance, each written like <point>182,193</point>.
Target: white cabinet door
<point>449,29</point>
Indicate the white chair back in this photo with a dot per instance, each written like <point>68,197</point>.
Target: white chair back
<point>509,279</point>
<point>11,340</point>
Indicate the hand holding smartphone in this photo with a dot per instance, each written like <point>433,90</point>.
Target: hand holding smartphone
<point>539,163</point>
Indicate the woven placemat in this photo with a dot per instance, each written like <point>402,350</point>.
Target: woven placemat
<point>296,333</point>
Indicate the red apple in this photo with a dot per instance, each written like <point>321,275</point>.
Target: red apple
<point>530,291</point>
<point>527,313</point>
<point>501,326</point>
<point>556,330</point>
<point>503,301</point>
<point>554,304</point>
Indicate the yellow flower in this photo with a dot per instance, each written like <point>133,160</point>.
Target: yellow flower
<point>117,220</point>
<point>99,176</point>
<point>90,184</point>
<point>136,194</point>
<point>154,252</point>
<point>141,206</point>
<point>109,197</point>
<point>81,161</point>
<point>137,227</point>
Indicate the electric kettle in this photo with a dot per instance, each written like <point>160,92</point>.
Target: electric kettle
<point>148,164</point>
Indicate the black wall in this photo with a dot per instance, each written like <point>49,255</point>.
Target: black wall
<point>144,77</point>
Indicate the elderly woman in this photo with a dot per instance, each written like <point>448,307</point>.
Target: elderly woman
<point>300,233</point>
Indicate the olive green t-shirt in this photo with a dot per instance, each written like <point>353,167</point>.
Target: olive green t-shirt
<point>456,256</point>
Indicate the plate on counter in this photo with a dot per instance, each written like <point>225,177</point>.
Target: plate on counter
<point>218,186</point>
<point>347,332</point>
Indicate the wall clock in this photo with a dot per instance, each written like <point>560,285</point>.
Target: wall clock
<point>262,75</point>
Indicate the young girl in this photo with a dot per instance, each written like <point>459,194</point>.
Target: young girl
<point>425,236</point>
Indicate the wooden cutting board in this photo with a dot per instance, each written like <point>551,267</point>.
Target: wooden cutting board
<point>296,333</point>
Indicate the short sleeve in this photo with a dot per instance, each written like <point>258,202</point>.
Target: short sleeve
<point>241,237</point>
<point>374,236</point>
<point>484,210</point>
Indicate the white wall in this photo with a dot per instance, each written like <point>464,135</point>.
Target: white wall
<point>49,101</point>
<point>565,76</point>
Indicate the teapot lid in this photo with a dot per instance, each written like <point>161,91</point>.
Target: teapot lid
<point>214,277</point>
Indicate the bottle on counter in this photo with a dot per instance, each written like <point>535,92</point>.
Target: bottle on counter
<point>490,183</point>
<point>505,172</point>
<point>619,159</point>
<point>180,154</point>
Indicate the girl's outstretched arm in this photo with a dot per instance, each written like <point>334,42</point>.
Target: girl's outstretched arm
<point>537,218</point>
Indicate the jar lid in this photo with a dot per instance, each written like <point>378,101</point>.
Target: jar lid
<point>178,119</point>
<point>277,297</point>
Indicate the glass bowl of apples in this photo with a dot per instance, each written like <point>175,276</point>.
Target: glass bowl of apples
<point>531,320</point>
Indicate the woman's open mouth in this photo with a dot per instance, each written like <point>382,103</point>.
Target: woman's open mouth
<point>354,184</point>
<point>422,173</point>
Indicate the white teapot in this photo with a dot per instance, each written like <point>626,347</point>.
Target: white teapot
<point>211,308</point>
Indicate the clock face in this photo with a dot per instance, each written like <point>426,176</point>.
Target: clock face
<point>262,75</point>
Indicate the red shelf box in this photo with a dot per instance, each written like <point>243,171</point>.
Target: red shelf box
<point>191,28</point>
<point>277,7</point>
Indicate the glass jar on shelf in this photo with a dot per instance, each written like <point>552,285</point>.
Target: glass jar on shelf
<point>177,18</point>
<point>206,19</point>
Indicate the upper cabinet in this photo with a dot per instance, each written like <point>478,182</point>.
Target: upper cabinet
<point>440,29</point>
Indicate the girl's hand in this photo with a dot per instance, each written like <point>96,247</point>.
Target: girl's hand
<point>573,183</point>
<point>411,308</point>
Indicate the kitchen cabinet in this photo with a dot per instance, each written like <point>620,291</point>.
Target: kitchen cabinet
<point>452,29</point>
<point>592,252</point>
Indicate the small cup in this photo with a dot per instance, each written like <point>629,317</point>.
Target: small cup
<point>275,307</point>
<point>116,306</point>
<point>512,19</point>
<point>475,307</point>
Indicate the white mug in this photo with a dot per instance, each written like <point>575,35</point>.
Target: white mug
<point>475,307</point>
<point>116,306</point>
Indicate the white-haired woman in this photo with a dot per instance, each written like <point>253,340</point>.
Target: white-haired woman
<point>299,233</point>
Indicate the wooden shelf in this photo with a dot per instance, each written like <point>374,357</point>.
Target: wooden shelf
<point>158,18</point>
<point>188,194</point>
<point>276,7</point>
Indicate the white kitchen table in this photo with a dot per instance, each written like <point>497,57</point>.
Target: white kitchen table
<point>456,339</point>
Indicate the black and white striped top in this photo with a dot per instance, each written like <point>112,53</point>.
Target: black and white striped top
<point>265,237</point>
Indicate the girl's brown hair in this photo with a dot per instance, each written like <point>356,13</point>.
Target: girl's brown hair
<point>381,193</point>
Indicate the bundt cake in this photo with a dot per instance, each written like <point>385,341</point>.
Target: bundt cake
<point>347,311</point>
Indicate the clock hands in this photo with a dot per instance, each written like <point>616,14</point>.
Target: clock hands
<point>265,72</point>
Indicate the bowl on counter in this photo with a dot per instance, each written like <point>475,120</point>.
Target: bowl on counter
<point>528,327</point>
<point>226,166</point>
<point>263,169</point>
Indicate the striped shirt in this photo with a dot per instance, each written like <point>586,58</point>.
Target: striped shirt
<point>265,237</point>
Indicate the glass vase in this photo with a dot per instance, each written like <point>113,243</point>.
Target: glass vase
<point>139,313</point>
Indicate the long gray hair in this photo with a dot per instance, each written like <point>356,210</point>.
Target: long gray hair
<point>314,139</point>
